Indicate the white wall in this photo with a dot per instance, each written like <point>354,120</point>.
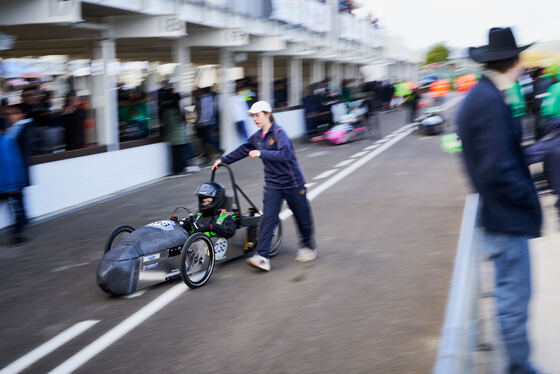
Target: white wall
<point>63,184</point>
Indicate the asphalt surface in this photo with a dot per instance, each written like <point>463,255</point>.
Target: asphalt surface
<point>373,302</point>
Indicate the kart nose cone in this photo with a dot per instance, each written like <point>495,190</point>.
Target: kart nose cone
<point>118,277</point>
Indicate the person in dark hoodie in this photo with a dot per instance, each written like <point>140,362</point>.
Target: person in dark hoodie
<point>283,181</point>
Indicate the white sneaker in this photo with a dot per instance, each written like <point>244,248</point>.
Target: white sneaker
<point>259,262</point>
<point>306,254</point>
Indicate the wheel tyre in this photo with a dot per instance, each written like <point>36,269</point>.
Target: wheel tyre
<point>114,234</point>
<point>276,245</point>
<point>184,257</point>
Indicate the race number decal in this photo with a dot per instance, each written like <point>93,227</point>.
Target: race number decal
<point>162,225</point>
<point>220,248</point>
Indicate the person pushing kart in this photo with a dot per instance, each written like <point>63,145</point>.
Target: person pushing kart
<point>210,218</point>
<point>283,181</point>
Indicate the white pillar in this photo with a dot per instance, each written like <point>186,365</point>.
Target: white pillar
<point>334,20</point>
<point>357,74</point>
<point>184,75</point>
<point>317,71</point>
<point>105,94</point>
<point>228,139</point>
<point>295,87</point>
<point>266,79</point>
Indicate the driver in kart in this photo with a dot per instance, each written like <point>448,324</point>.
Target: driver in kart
<point>211,218</point>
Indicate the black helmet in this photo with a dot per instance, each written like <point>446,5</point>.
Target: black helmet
<point>214,190</point>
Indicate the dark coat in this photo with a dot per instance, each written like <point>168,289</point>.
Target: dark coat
<point>496,163</point>
<point>281,169</point>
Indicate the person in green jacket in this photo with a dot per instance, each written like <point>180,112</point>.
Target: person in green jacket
<point>551,104</point>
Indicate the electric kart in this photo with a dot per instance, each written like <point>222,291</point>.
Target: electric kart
<point>432,121</point>
<point>349,126</point>
<point>160,251</point>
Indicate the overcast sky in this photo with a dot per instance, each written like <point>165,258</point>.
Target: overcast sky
<point>465,23</point>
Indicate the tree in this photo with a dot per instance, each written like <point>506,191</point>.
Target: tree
<point>437,53</point>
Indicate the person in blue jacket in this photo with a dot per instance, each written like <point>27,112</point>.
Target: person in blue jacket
<point>15,153</point>
<point>497,167</point>
<point>283,181</point>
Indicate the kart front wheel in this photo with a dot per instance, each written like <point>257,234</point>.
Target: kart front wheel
<point>117,235</point>
<point>276,242</point>
<point>197,260</point>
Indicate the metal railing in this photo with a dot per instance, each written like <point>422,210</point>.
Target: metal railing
<point>459,340</point>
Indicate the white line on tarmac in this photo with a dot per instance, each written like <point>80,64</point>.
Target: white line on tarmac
<point>309,185</point>
<point>326,174</point>
<point>316,154</point>
<point>359,154</point>
<point>119,330</point>
<point>136,294</point>
<point>344,163</point>
<point>44,349</point>
<point>66,267</point>
<point>373,146</point>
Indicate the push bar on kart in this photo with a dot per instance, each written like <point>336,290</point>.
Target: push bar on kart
<point>235,188</point>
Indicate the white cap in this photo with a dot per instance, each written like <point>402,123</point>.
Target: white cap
<point>260,106</point>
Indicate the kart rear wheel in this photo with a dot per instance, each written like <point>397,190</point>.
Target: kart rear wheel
<point>276,242</point>
<point>117,235</point>
<point>197,260</point>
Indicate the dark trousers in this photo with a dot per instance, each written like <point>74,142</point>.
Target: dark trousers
<point>177,158</point>
<point>412,114</point>
<point>205,134</point>
<point>15,202</point>
<point>298,203</point>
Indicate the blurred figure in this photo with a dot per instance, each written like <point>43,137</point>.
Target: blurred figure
<point>16,143</point>
<point>511,212</point>
<point>72,118</point>
<point>311,103</point>
<point>547,150</point>
<point>280,93</point>
<point>207,108</point>
<point>388,91</point>
<point>411,101</point>
<point>542,82</point>
<point>175,130</point>
<point>348,90</point>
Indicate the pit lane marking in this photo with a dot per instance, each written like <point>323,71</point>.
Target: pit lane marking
<point>318,153</point>
<point>44,349</point>
<point>119,330</point>
<point>66,267</point>
<point>344,163</point>
<point>359,154</point>
<point>371,147</point>
<point>136,294</point>
<point>326,174</point>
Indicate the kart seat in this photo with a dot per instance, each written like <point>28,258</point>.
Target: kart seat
<point>228,204</point>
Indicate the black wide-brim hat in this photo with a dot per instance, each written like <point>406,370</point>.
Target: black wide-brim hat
<point>501,46</point>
